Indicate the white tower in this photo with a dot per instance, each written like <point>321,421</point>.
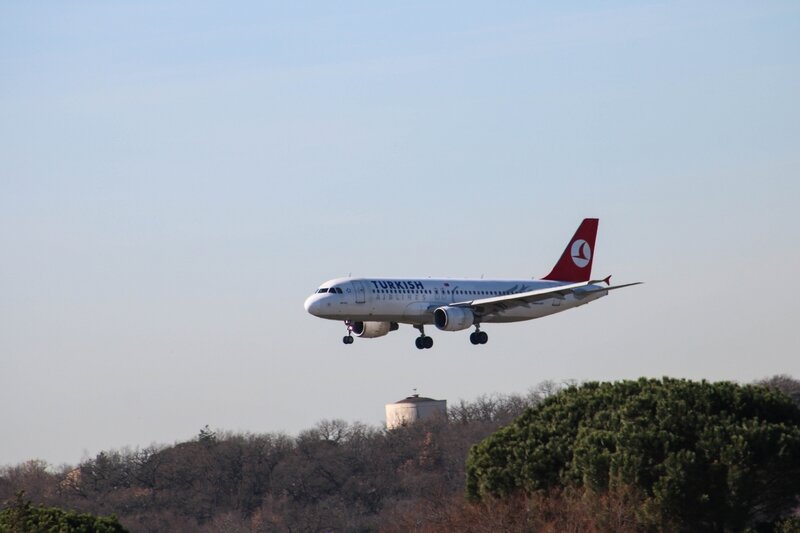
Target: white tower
<point>413,408</point>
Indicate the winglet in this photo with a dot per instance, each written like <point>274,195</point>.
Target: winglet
<point>575,263</point>
<point>607,280</point>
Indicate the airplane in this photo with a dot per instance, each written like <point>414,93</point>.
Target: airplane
<point>373,307</point>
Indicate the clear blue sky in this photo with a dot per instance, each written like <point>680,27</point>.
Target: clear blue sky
<point>176,177</point>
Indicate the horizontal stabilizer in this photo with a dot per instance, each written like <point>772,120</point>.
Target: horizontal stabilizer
<point>604,289</point>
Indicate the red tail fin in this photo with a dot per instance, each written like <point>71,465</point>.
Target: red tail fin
<point>576,261</point>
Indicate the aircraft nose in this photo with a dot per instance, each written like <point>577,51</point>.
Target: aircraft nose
<point>312,305</point>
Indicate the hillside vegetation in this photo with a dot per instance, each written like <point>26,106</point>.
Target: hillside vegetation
<point>570,461</point>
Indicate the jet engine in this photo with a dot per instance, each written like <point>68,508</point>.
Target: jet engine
<point>453,318</point>
<point>370,330</point>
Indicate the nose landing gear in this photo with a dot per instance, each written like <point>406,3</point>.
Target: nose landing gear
<point>348,339</point>
<point>423,342</point>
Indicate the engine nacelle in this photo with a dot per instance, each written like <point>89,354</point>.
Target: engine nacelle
<point>453,318</point>
<point>370,330</point>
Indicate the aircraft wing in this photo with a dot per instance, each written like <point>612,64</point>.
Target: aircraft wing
<point>497,304</point>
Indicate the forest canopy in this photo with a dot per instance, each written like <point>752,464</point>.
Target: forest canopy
<point>702,455</point>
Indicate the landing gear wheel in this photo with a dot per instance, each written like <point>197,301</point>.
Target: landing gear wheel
<point>478,337</point>
<point>347,339</point>
<point>424,342</point>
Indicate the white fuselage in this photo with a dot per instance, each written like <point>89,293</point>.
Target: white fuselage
<point>413,300</point>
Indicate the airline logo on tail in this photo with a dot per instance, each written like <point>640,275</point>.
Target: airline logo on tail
<point>581,253</point>
<point>575,264</point>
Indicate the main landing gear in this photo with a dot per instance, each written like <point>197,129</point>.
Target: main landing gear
<point>478,336</point>
<point>423,342</point>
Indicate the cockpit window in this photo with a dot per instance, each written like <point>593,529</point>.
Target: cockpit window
<point>331,290</point>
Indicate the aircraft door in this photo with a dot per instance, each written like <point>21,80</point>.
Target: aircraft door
<point>360,293</point>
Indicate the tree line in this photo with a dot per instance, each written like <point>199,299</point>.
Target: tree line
<point>341,476</point>
<point>337,475</point>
